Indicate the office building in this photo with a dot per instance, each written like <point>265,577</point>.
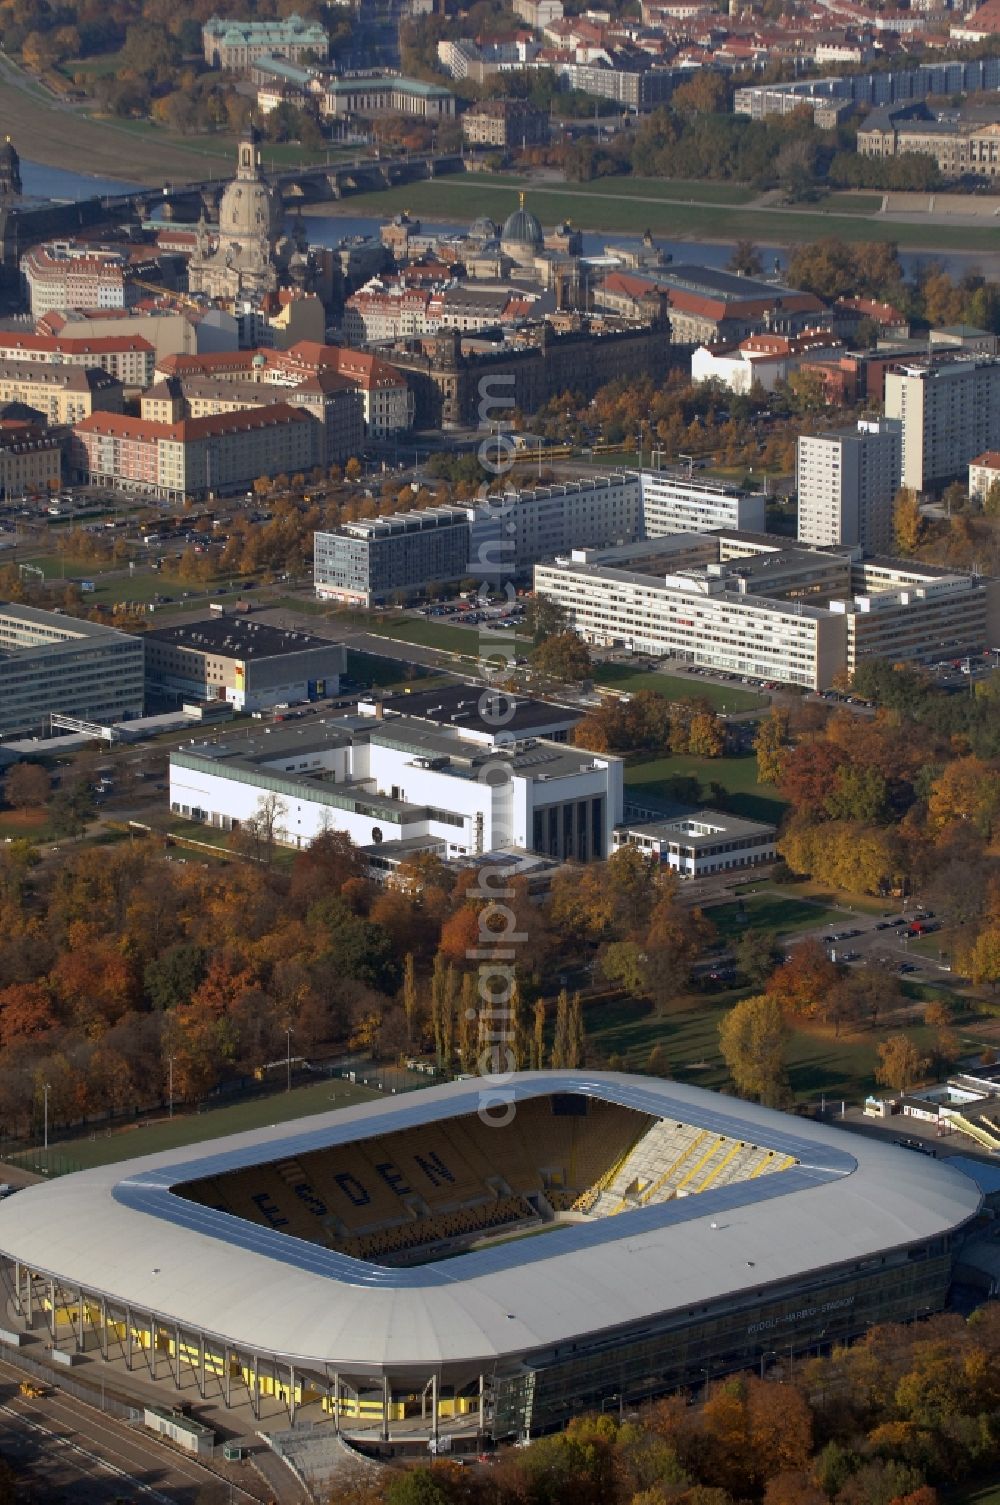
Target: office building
<point>696,843</point>
<point>375,559</point>
<point>386,94</point>
<point>847,482</point>
<point>384,779</point>
<point>250,664</point>
<point>687,504</point>
<point>497,538</point>
<point>55,663</point>
<point>950,411</point>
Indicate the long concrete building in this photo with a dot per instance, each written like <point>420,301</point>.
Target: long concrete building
<point>392,780</point>
<point>793,614</point>
<point>55,663</point>
<point>501,536</point>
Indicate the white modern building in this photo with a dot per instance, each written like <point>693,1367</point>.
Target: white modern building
<point>686,504</point>
<point>50,662</point>
<point>950,411</point>
<point>696,843</point>
<point>797,615</point>
<point>389,781</point>
<point>847,481</point>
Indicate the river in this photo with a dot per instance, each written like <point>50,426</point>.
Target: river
<point>327,229</point>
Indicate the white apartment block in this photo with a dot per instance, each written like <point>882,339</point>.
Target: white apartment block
<point>950,412</point>
<point>684,504</point>
<point>386,781</point>
<point>847,481</point>
<point>795,615</point>
<point>700,617</point>
<point>512,530</point>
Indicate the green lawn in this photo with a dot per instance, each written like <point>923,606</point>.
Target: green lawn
<point>738,776</point>
<point>462,198</point>
<point>372,672</point>
<point>772,911</point>
<point>443,635</point>
<point>544,198</point>
<point>973,1494</point>
<point>108,1146</point>
<point>689,1037</point>
<point>674,687</point>
<point>854,203</point>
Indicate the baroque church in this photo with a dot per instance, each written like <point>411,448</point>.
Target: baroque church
<point>248,255</point>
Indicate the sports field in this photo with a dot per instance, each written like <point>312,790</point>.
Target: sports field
<point>108,1146</point>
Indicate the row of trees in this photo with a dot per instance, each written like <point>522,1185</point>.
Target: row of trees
<point>905,1412</point>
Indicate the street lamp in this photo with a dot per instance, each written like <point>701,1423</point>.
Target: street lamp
<point>45,1096</point>
<point>767,1354</point>
<point>288,1060</point>
<point>170,1086</point>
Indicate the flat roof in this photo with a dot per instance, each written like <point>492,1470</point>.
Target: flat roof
<point>724,826</point>
<point>121,1231</point>
<point>239,638</point>
<point>481,708</point>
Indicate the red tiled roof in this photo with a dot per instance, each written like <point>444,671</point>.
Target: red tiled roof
<point>124,426</point>
<point>112,344</point>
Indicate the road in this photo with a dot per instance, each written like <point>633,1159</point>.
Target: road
<point>71,1452</point>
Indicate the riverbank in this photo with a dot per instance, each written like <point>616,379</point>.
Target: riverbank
<point>56,134</point>
<point>688,211</point>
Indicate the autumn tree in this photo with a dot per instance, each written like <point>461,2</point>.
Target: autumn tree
<point>753,1038</point>
<point>907,522</point>
<point>769,743</point>
<point>900,1064</point>
<point>563,656</point>
<point>26,786</point>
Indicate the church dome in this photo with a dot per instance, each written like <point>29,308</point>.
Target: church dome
<point>483,228</point>
<point>522,229</point>
<point>249,209</point>
<point>8,155</point>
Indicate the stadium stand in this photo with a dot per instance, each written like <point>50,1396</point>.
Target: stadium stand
<point>561,1158</point>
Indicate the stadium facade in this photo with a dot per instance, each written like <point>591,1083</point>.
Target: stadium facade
<point>367,1262</point>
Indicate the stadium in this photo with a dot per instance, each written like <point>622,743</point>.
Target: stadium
<point>444,1261</point>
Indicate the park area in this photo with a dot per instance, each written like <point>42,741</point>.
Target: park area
<point>109,1145</point>
<point>656,778</point>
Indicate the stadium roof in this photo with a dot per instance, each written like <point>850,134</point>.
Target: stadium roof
<point>119,1230</point>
